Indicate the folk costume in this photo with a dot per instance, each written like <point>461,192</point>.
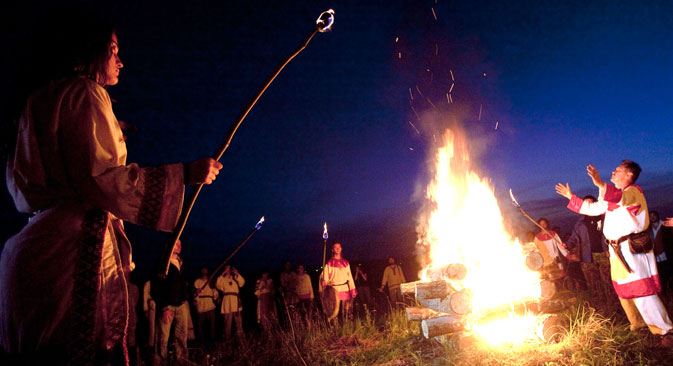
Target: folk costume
<point>62,286</point>
<point>205,304</point>
<point>231,307</point>
<point>393,277</point>
<point>626,213</point>
<point>549,248</point>
<point>337,273</point>
<point>304,291</point>
<point>304,288</point>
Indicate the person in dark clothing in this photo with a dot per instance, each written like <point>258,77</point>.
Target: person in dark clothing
<point>587,236</point>
<point>362,284</point>
<point>662,240</point>
<point>171,294</point>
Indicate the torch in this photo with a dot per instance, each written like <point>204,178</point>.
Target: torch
<point>324,244</point>
<point>323,24</point>
<point>256,229</point>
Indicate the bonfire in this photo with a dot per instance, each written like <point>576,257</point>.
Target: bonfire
<point>477,282</point>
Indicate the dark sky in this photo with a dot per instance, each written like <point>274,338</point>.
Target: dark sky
<point>567,83</point>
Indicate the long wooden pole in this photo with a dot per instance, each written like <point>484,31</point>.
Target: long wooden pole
<point>323,24</point>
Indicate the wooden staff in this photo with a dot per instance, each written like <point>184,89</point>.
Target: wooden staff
<point>323,24</point>
<point>517,205</point>
<point>212,275</point>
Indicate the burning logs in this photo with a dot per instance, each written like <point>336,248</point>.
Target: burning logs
<point>534,261</point>
<point>433,290</point>
<point>453,271</point>
<point>419,313</point>
<point>441,305</point>
<point>441,325</point>
<point>551,327</point>
<point>548,289</point>
<point>409,288</point>
<point>441,296</point>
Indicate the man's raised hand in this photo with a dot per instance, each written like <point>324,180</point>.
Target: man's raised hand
<point>564,190</point>
<point>595,176</point>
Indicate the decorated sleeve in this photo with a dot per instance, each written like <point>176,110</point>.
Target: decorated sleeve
<point>95,154</point>
<point>578,205</point>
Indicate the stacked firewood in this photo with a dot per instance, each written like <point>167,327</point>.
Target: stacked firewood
<point>441,309</point>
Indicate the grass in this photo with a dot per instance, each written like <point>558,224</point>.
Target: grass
<point>595,337</point>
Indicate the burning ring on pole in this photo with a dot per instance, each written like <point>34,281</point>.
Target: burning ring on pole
<point>325,21</point>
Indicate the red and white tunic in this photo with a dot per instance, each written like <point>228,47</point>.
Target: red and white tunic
<point>337,273</point>
<point>549,248</point>
<point>625,213</point>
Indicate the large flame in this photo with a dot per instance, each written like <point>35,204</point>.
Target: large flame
<point>466,226</point>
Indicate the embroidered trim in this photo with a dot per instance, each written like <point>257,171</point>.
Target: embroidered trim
<point>86,282</point>
<point>153,198</point>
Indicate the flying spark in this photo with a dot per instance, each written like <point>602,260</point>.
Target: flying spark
<point>433,13</point>
<point>480,105</point>
<point>451,72</point>
<point>411,95</point>
<point>451,88</point>
<point>417,131</point>
<point>496,125</point>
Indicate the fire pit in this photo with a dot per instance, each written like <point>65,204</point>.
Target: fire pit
<point>480,282</point>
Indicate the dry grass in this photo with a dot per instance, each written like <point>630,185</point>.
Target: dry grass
<point>593,338</point>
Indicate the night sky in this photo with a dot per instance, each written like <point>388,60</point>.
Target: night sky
<point>343,134</point>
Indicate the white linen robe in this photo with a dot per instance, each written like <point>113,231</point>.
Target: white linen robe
<point>62,276</point>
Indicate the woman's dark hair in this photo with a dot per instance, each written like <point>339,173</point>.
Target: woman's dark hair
<point>64,42</point>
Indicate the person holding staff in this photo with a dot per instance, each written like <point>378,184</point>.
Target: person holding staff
<point>63,296</point>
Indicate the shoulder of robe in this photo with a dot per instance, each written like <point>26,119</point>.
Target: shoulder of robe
<point>80,91</point>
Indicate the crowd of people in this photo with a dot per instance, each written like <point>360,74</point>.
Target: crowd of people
<point>171,303</point>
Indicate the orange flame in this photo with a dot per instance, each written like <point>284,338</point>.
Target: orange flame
<point>466,226</point>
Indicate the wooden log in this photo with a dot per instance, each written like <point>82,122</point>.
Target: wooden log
<point>548,289</point>
<point>430,303</point>
<point>419,313</point>
<point>520,308</point>
<point>457,303</point>
<point>453,271</point>
<point>433,290</point>
<point>534,261</point>
<point>551,327</point>
<point>441,325</point>
<point>409,288</point>
<point>456,271</point>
